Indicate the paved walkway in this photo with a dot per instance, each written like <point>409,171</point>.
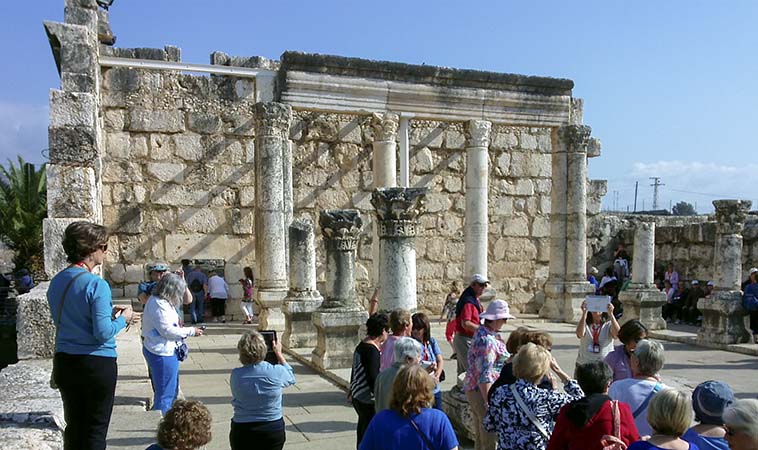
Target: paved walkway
<point>315,409</point>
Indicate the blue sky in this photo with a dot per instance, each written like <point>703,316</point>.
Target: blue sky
<point>669,86</point>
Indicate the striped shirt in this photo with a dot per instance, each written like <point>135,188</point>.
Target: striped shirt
<point>364,371</point>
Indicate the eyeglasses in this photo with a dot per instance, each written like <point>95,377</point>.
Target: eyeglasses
<point>103,247</point>
<point>729,432</point>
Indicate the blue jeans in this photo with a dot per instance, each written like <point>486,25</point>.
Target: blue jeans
<point>438,400</point>
<point>197,308</point>
<point>164,372</point>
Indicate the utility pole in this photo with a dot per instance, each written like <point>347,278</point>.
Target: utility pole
<point>636,185</point>
<point>656,184</point>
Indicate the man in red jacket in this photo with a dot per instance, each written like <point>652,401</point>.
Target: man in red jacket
<point>467,321</point>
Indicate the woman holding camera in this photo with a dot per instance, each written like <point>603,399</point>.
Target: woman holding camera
<point>86,324</point>
<point>163,336</point>
<point>257,395</point>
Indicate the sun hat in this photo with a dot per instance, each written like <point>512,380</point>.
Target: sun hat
<point>478,278</point>
<point>157,267</point>
<point>497,309</point>
<point>593,270</point>
<point>709,400</point>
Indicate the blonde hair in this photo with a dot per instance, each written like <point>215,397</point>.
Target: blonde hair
<point>532,362</point>
<point>670,412</point>
<point>252,348</point>
<point>411,390</point>
<point>399,320</point>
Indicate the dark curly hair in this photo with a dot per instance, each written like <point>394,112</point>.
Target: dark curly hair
<point>82,238</point>
<point>186,426</point>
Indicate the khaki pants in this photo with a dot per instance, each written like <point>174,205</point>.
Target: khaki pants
<point>484,440</point>
<point>461,344</point>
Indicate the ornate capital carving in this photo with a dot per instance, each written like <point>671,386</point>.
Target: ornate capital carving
<point>576,138</point>
<point>478,133</point>
<point>397,210</point>
<point>731,215</point>
<point>385,126</point>
<point>272,119</point>
<point>341,228</point>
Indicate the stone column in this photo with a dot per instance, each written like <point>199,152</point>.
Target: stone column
<point>477,185</point>
<point>272,121</point>
<point>397,212</point>
<point>723,316</point>
<point>567,285</point>
<point>642,300</point>
<point>340,316</point>
<point>384,168</point>
<point>303,298</point>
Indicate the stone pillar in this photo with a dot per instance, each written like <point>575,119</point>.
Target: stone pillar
<point>567,285</point>
<point>272,121</point>
<point>303,298</point>
<point>642,300</point>
<point>384,168</point>
<point>723,316</point>
<point>397,212</point>
<point>340,316</point>
<point>477,186</point>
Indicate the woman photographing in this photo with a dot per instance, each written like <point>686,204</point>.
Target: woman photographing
<point>596,331</point>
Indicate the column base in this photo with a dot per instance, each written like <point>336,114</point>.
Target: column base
<point>298,310</point>
<point>643,303</point>
<point>723,319</point>
<point>456,407</point>
<point>338,333</point>
<point>271,315</point>
<point>563,300</point>
<point>553,300</point>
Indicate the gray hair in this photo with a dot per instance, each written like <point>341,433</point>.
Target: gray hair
<point>407,348</point>
<point>649,357</point>
<point>742,415</point>
<point>171,288</point>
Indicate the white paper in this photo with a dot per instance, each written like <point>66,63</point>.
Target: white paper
<point>597,303</point>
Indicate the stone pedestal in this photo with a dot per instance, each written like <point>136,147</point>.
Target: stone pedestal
<point>303,298</point>
<point>455,405</point>
<point>477,186</point>
<point>397,212</point>
<point>272,122</point>
<point>642,300</point>
<point>384,169</point>
<point>723,316</point>
<point>340,316</point>
<point>567,286</point>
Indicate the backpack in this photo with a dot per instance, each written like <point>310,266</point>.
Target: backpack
<point>196,286</point>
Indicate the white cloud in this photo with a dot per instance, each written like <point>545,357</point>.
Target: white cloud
<point>696,182</point>
<point>23,131</point>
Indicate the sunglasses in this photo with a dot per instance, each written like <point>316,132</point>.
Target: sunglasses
<point>103,247</point>
<point>729,432</point>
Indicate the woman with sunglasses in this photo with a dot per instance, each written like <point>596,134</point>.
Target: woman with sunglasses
<point>86,322</point>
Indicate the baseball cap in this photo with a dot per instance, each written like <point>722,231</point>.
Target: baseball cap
<point>709,399</point>
<point>157,267</point>
<point>695,282</point>
<point>497,309</point>
<point>710,283</point>
<point>478,278</point>
<point>753,270</point>
<point>593,270</point>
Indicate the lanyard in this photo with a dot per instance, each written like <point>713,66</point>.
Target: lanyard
<point>595,330</point>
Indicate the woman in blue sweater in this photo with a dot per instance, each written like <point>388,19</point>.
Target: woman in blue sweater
<point>257,395</point>
<point>84,366</point>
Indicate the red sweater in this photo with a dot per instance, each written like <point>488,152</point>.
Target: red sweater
<point>568,436</point>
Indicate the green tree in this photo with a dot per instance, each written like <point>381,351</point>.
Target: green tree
<point>683,209</point>
<point>23,205</point>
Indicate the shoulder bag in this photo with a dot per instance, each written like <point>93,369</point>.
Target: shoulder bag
<point>529,413</point>
<point>644,404</point>
<point>53,384</point>
<point>614,442</point>
<point>427,443</point>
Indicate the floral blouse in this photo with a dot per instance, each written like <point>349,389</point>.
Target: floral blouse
<point>515,430</point>
<point>486,358</point>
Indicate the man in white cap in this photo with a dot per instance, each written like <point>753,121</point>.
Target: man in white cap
<point>690,314</point>
<point>750,275</point>
<point>467,320</point>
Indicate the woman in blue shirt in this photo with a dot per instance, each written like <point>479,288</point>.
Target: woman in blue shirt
<point>257,395</point>
<point>84,365</point>
<point>431,357</point>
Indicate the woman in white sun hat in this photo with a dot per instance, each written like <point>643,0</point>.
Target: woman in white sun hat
<point>485,359</point>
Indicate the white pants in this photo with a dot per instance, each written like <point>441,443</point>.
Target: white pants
<point>247,308</point>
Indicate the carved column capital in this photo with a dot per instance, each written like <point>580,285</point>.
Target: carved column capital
<point>341,228</point>
<point>576,138</point>
<point>397,210</point>
<point>478,133</point>
<point>272,119</point>
<point>385,126</point>
<point>731,215</point>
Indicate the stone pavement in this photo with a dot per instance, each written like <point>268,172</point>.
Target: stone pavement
<point>315,409</point>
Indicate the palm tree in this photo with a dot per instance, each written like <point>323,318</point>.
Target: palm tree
<point>23,205</point>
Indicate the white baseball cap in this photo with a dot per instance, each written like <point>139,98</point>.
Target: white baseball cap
<point>478,278</point>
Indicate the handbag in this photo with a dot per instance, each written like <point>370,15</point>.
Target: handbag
<point>442,376</point>
<point>529,413</point>
<point>182,351</point>
<point>53,384</point>
<point>614,441</point>
<point>428,444</point>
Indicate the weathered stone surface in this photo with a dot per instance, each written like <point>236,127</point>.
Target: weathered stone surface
<point>156,121</point>
<point>71,109</point>
<point>72,191</point>
<point>35,332</point>
<point>302,298</point>
<point>338,334</point>
<point>422,161</point>
<point>643,303</point>
<point>73,145</point>
<point>166,172</point>
<point>52,232</point>
<point>203,123</point>
<point>188,146</point>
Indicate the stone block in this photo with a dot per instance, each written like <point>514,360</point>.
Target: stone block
<point>139,146</point>
<point>122,172</point>
<point>348,156</point>
<point>504,140</point>
<point>161,147</point>
<point>203,123</point>
<point>338,334</point>
<point>504,164</point>
<point>35,332</point>
<point>72,191</point>
<point>166,172</point>
<point>298,308</point>
<point>179,195</point>
<point>73,145</point>
<point>501,205</point>
<point>247,196</point>
<point>134,273</point>
<point>527,141</point>
<point>422,136</point>
<point>450,225</point>
<point>524,187</point>
<point>437,202</point>
<point>123,219</point>
<point>188,146</point>
<point>117,145</point>
<point>515,226</point>
<point>115,273</point>
<point>454,139</point>
<point>202,220</point>
<point>645,305</point>
<point>545,143</point>
<point>541,226</point>
<point>453,184</point>
<point>157,220</point>
<point>232,249</point>
<point>52,233</point>
<point>72,109</point>
<point>242,221</point>
<point>723,319</point>
<point>156,121</point>
<point>456,162</point>
<point>456,407</point>
<point>350,132</point>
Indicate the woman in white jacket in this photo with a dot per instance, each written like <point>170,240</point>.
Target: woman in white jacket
<point>162,336</point>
